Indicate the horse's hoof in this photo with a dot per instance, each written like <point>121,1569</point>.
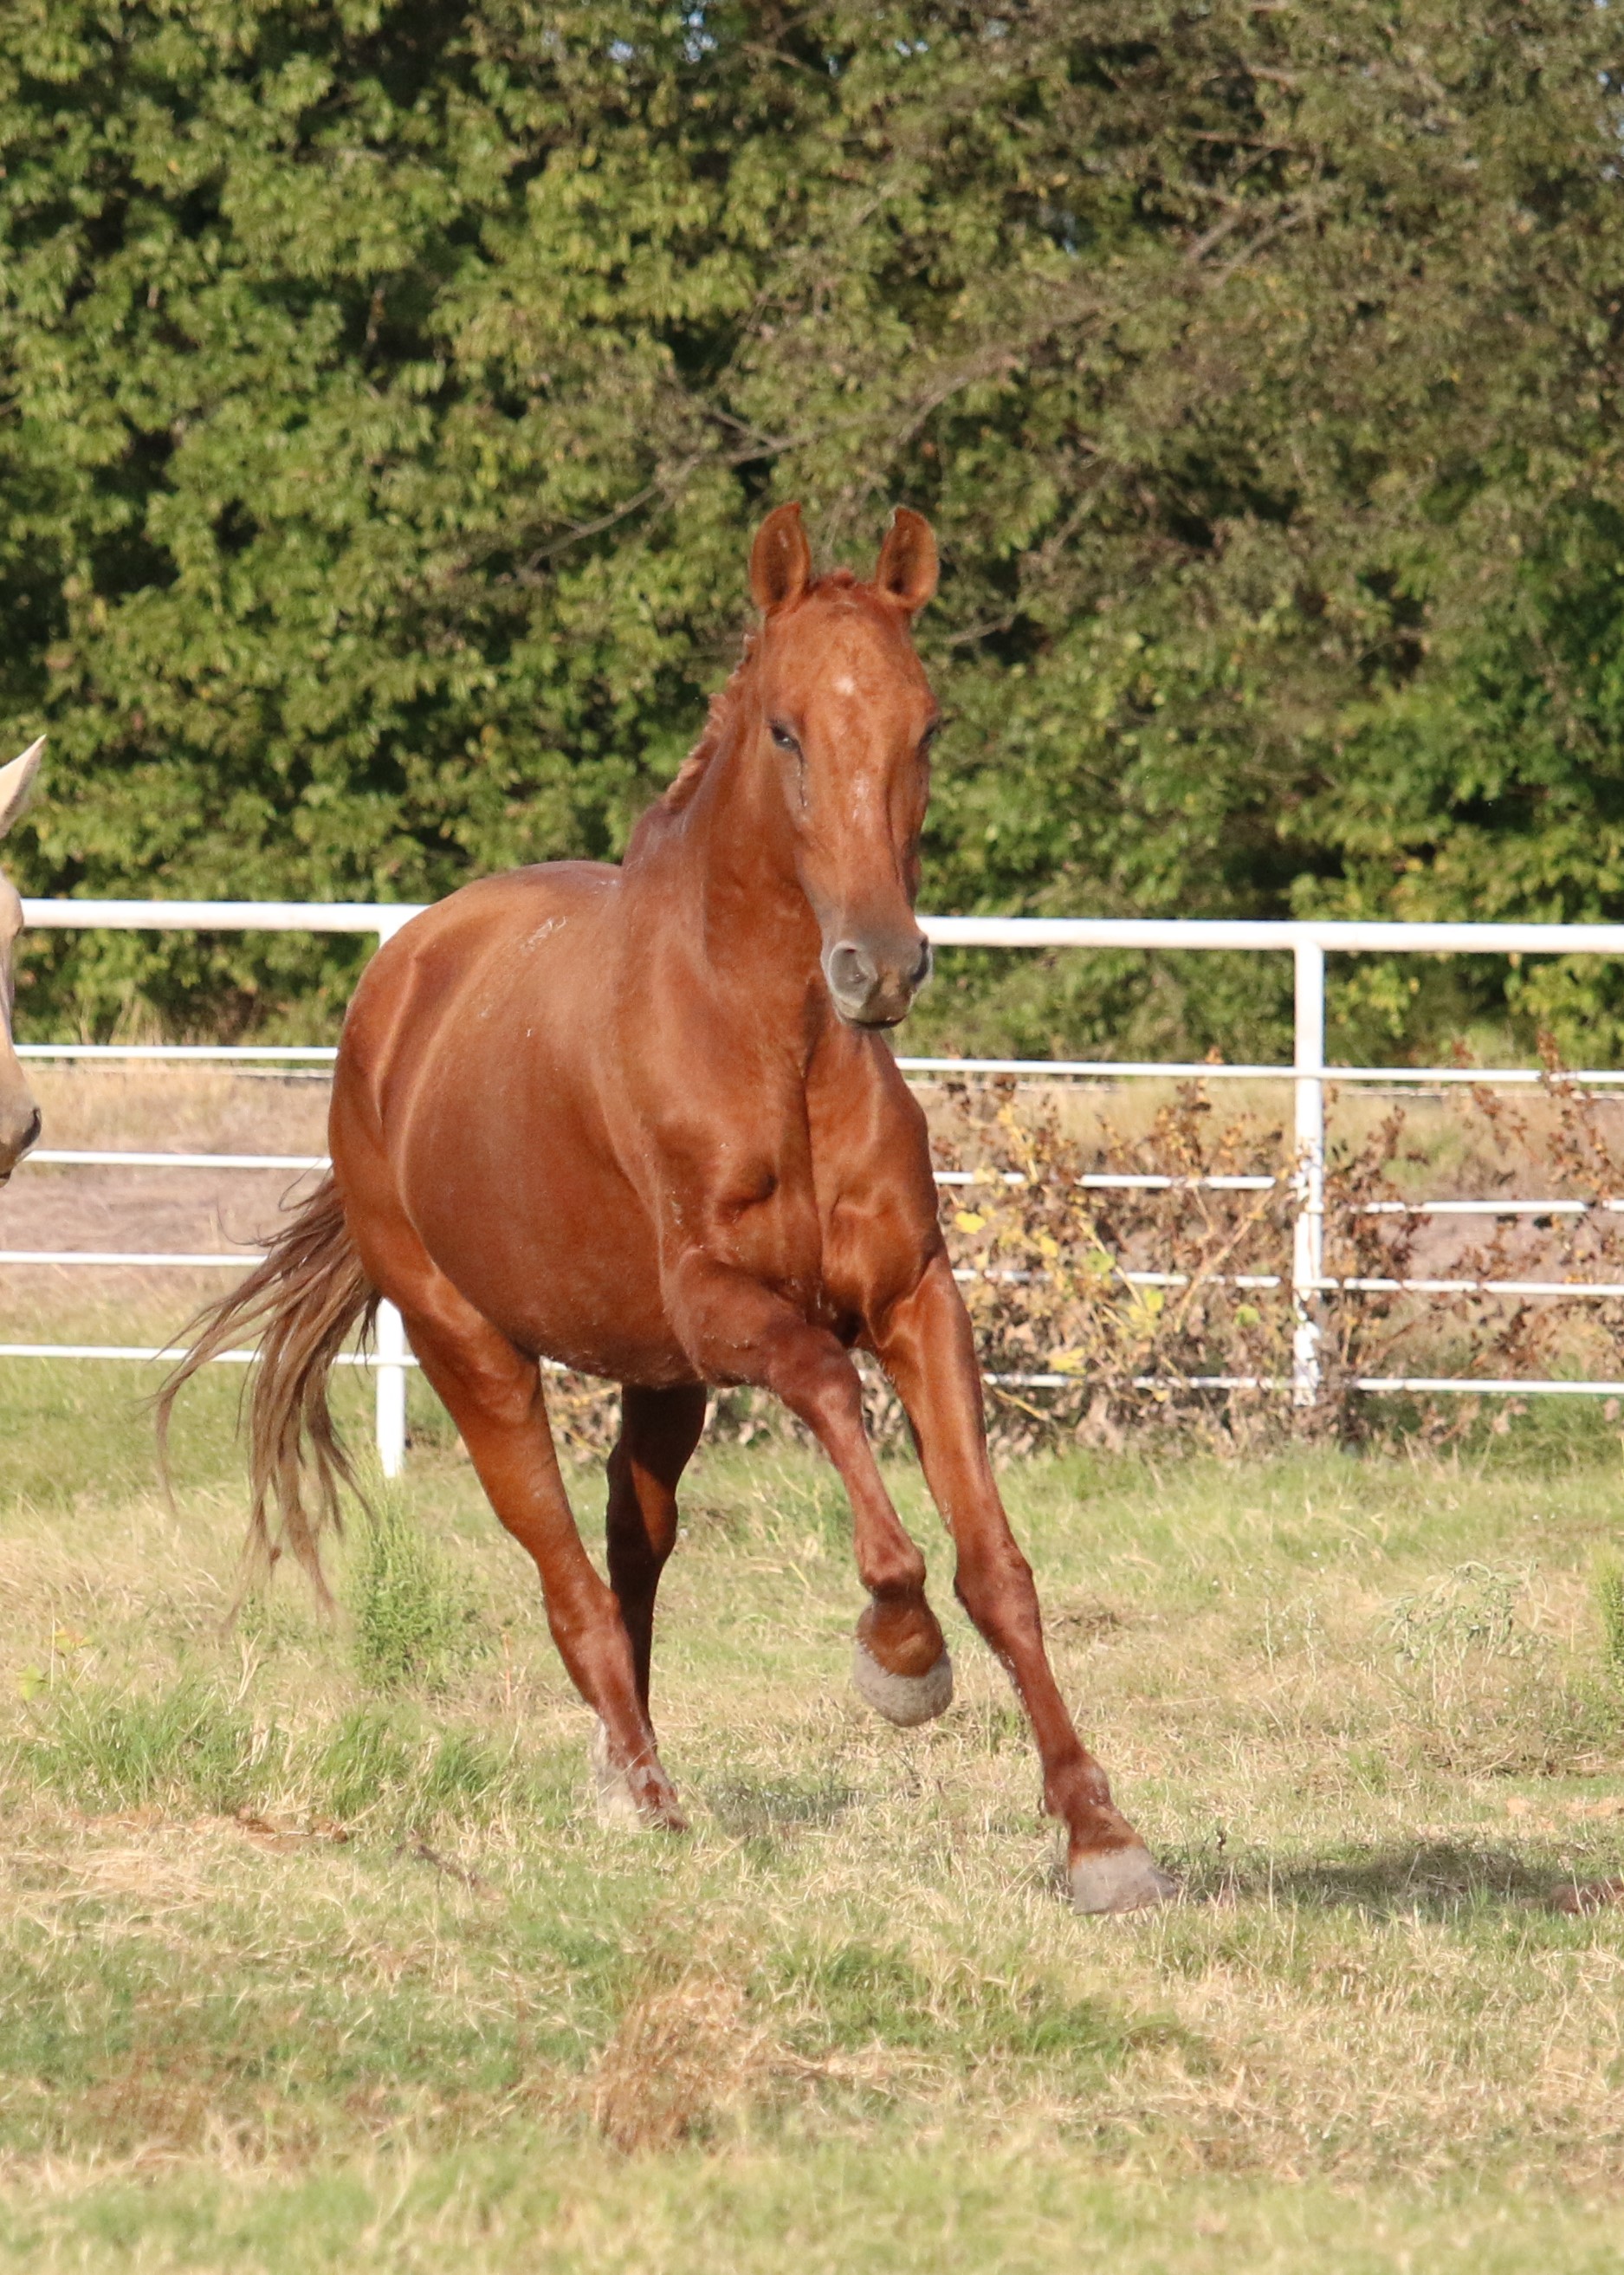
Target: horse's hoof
<point>616,1802</point>
<point>1119,1880</point>
<point>905,1699</point>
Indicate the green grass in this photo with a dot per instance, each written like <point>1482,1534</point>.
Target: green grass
<point>412,1620</point>
<point>311,1951</point>
<point>1609,1603</point>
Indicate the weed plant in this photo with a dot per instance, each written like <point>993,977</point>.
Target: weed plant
<point>1101,1312</point>
<point>415,1618</point>
<point>184,1746</point>
<point>188,1747</point>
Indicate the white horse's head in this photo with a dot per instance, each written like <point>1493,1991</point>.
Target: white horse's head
<point>20,1116</point>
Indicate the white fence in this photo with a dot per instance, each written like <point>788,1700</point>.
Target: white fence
<point>1308,944</point>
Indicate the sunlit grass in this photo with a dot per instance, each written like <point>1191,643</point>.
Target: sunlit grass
<point>311,1951</point>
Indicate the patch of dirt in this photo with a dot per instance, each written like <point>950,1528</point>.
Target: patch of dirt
<point>1085,1619</point>
<point>1591,1896</point>
<point>287,1836</point>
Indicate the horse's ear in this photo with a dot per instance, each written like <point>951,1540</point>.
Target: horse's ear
<point>779,559</point>
<point>17,784</point>
<point>907,569</point>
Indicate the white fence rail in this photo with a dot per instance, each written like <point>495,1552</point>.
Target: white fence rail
<point>1308,944</point>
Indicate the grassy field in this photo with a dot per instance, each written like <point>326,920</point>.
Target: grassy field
<point>314,1954</point>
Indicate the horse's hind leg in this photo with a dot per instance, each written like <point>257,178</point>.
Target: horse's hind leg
<point>493,1393</point>
<point>659,1430</point>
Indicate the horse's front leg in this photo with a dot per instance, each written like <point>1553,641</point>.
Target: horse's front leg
<point>737,1331</point>
<point>926,1346</point>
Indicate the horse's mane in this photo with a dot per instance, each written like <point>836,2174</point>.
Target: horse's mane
<point>724,709</point>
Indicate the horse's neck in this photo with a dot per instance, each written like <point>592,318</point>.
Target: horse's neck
<point>734,858</point>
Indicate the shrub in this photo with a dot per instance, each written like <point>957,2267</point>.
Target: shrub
<point>1164,1297</point>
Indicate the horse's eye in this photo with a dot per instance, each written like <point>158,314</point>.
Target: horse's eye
<point>782,736</point>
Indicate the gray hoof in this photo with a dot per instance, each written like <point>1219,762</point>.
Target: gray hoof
<point>1119,1880</point>
<point>616,1803</point>
<point>905,1699</point>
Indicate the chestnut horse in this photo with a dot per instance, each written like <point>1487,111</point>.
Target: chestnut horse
<point>645,1121</point>
<point>20,1116</point>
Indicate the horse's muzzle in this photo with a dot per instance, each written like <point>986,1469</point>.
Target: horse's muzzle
<point>18,1133</point>
<point>873,983</point>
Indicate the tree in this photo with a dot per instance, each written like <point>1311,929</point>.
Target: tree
<point>386,393</point>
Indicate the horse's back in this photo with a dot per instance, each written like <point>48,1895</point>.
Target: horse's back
<point>530,940</point>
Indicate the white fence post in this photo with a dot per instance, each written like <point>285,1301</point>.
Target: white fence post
<point>1309,1184</point>
<point>389,1328</point>
<point>390,1331</point>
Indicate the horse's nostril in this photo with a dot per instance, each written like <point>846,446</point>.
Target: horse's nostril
<point>852,970</point>
<point>36,1123</point>
<point>921,971</point>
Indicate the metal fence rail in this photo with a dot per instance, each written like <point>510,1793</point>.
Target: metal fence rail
<point>1308,944</point>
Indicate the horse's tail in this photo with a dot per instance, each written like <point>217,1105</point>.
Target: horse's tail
<point>301,1302</point>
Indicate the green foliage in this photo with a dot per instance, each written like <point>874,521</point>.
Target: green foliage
<point>239,2040</point>
<point>382,1770</point>
<point>387,391</point>
<point>184,1746</point>
<point>857,1995</point>
<point>414,1618</point>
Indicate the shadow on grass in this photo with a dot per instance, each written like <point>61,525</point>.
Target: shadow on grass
<point>751,1807</point>
<point>1433,1879</point>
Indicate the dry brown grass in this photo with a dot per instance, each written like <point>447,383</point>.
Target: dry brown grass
<point>1468,1142</point>
<point>183,1107</point>
<point>683,2053</point>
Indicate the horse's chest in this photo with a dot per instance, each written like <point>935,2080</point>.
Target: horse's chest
<point>765,1222</point>
<point>825,1251</point>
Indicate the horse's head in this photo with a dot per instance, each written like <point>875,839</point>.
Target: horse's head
<point>20,1116</point>
<point>845,725</point>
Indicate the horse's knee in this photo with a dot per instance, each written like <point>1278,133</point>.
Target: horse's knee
<point>1000,1596</point>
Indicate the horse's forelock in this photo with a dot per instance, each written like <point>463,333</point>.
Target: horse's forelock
<point>724,704</point>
